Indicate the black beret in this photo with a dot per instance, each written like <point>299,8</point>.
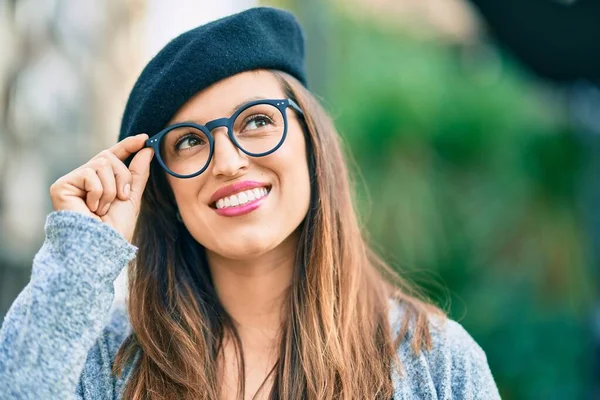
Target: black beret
<point>257,38</point>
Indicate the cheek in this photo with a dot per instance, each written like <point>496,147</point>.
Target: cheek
<point>294,175</point>
<point>292,154</point>
<point>185,192</point>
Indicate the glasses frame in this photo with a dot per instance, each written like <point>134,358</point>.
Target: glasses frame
<point>280,104</point>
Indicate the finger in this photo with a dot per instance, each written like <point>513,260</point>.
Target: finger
<point>89,181</point>
<point>121,173</point>
<point>109,187</point>
<point>129,146</point>
<point>140,171</point>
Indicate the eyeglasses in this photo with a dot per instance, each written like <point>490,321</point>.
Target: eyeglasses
<point>257,128</point>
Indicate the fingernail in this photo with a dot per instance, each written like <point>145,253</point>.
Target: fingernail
<point>105,209</point>
<point>126,190</point>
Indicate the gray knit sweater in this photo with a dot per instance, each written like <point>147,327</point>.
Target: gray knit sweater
<point>61,334</point>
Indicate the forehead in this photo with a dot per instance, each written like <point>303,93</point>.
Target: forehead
<point>221,98</point>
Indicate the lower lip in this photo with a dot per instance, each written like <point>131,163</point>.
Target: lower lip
<point>241,210</point>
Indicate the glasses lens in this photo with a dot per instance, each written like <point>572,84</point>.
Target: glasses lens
<point>185,150</point>
<point>259,128</point>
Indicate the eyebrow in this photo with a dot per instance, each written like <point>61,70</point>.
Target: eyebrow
<point>231,111</point>
<point>244,102</point>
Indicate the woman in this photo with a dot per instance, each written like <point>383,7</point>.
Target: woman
<point>251,276</point>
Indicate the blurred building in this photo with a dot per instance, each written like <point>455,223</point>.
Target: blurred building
<point>65,70</point>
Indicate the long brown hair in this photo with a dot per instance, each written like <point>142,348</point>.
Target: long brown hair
<point>336,342</point>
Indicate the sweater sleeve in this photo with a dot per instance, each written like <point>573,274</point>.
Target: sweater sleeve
<point>57,318</point>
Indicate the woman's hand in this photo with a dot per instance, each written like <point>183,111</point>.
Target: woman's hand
<point>104,188</point>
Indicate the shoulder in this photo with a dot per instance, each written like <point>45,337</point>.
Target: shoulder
<point>455,367</point>
<point>96,380</point>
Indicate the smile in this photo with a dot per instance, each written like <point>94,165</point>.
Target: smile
<point>241,198</point>
<point>242,202</point>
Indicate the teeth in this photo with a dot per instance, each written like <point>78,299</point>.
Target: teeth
<point>242,198</point>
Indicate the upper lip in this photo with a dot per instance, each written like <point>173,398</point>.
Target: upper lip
<point>235,188</point>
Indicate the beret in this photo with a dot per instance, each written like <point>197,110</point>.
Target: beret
<point>261,37</point>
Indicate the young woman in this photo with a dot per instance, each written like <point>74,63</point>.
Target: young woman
<point>251,277</point>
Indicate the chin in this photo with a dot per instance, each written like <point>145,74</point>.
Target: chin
<point>245,248</point>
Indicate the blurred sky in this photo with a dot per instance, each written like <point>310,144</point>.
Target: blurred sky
<point>167,19</point>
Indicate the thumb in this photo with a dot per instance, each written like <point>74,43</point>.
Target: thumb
<point>140,171</point>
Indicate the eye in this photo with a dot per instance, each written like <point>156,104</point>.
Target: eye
<point>188,141</point>
<point>257,122</point>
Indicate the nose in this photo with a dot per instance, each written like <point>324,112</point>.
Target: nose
<point>228,159</point>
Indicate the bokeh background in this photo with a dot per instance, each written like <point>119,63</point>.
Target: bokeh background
<point>473,131</point>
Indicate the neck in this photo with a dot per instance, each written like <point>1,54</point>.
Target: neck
<point>253,291</point>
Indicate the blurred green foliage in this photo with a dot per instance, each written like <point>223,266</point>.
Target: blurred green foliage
<point>468,180</point>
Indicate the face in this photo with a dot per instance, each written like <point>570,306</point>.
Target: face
<point>259,225</point>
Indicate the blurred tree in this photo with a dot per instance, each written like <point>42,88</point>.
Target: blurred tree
<point>559,41</point>
<point>470,176</point>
